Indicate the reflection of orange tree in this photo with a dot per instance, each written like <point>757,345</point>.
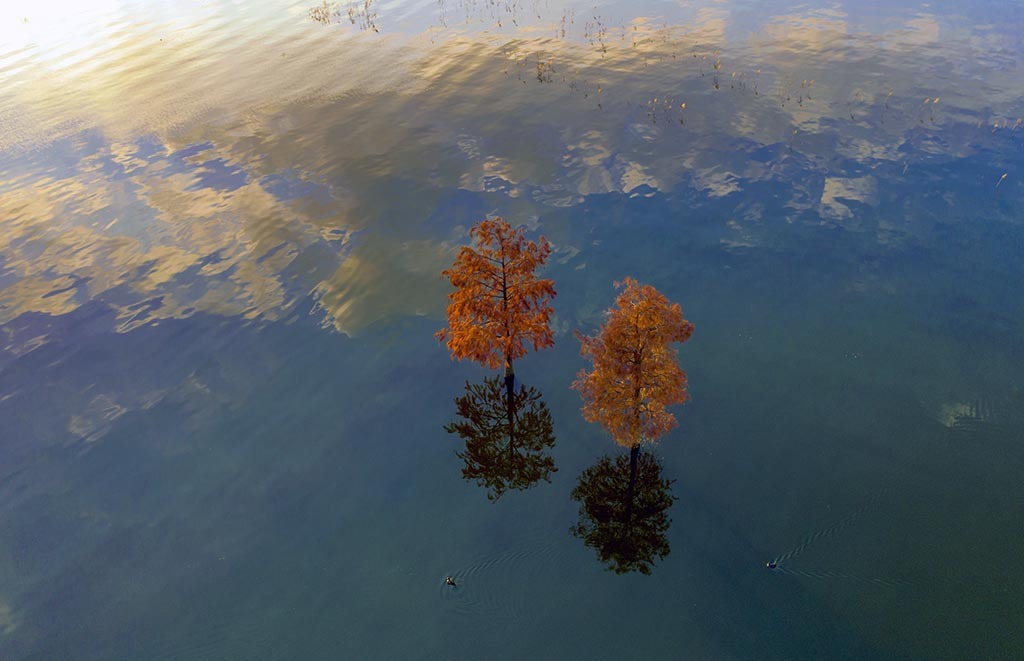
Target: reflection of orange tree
<point>624,512</point>
<point>506,438</point>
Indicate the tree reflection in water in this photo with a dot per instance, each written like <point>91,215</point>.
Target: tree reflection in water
<point>508,435</point>
<point>624,512</point>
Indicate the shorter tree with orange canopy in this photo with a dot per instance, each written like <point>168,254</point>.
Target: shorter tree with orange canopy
<point>636,375</point>
<point>499,305</point>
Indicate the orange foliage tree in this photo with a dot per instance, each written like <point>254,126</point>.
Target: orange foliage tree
<point>499,305</point>
<point>636,375</point>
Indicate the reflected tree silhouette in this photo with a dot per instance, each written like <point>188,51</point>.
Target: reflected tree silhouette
<point>624,516</point>
<point>508,434</point>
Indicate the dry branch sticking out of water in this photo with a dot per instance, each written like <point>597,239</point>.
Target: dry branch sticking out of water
<point>362,14</point>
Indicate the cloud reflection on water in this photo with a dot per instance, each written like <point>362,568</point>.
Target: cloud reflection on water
<point>155,158</point>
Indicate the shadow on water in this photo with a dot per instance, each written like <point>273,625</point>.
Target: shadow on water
<point>625,520</point>
<point>508,436</point>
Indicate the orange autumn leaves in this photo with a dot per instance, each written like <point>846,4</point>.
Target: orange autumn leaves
<point>635,375</point>
<point>500,306</point>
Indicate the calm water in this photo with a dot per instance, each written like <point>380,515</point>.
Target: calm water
<point>222,407</point>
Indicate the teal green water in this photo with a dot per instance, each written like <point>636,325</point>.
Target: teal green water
<point>222,407</point>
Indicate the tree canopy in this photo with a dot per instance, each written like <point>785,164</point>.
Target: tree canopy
<point>499,305</point>
<point>635,374</point>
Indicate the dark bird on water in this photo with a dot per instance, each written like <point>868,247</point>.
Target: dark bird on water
<point>448,580</point>
<point>771,565</point>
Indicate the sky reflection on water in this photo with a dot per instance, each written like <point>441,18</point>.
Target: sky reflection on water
<point>221,232</point>
<point>224,189</point>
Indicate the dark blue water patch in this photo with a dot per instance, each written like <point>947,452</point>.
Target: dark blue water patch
<point>269,254</point>
<point>458,206</point>
<point>218,174</point>
<point>230,458</point>
<point>84,349</point>
<point>215,172</point>
<point>192,150</point>
<point>149,148</point>
<point>8,275</point>
<point>58,159</point>
<point>967,283</point>
<point>76,283</point>
<point>287,186</point>
<point>762,153</point>
<point>705,529</point>
<point>89,319</point>
<point>803,269</point>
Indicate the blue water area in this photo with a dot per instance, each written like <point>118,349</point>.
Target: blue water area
<point>227,429</point>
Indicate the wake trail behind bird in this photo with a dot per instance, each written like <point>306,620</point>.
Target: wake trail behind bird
<point>827,575</point>
<point>836,528</point>
<point>496,588</point>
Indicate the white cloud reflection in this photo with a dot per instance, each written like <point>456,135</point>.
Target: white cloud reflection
<point>167,170</point>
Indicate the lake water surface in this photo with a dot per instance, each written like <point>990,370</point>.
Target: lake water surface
<point>222,407</point>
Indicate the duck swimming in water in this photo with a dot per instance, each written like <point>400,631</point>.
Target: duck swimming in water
<point>448,580</point>
<point>771,565</point>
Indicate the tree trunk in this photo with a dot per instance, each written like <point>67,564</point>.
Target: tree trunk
<point>634,454</point>
<point>510,378</point>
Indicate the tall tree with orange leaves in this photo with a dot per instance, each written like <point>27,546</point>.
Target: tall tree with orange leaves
<point>499,305</point>
<point>636,375</point>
